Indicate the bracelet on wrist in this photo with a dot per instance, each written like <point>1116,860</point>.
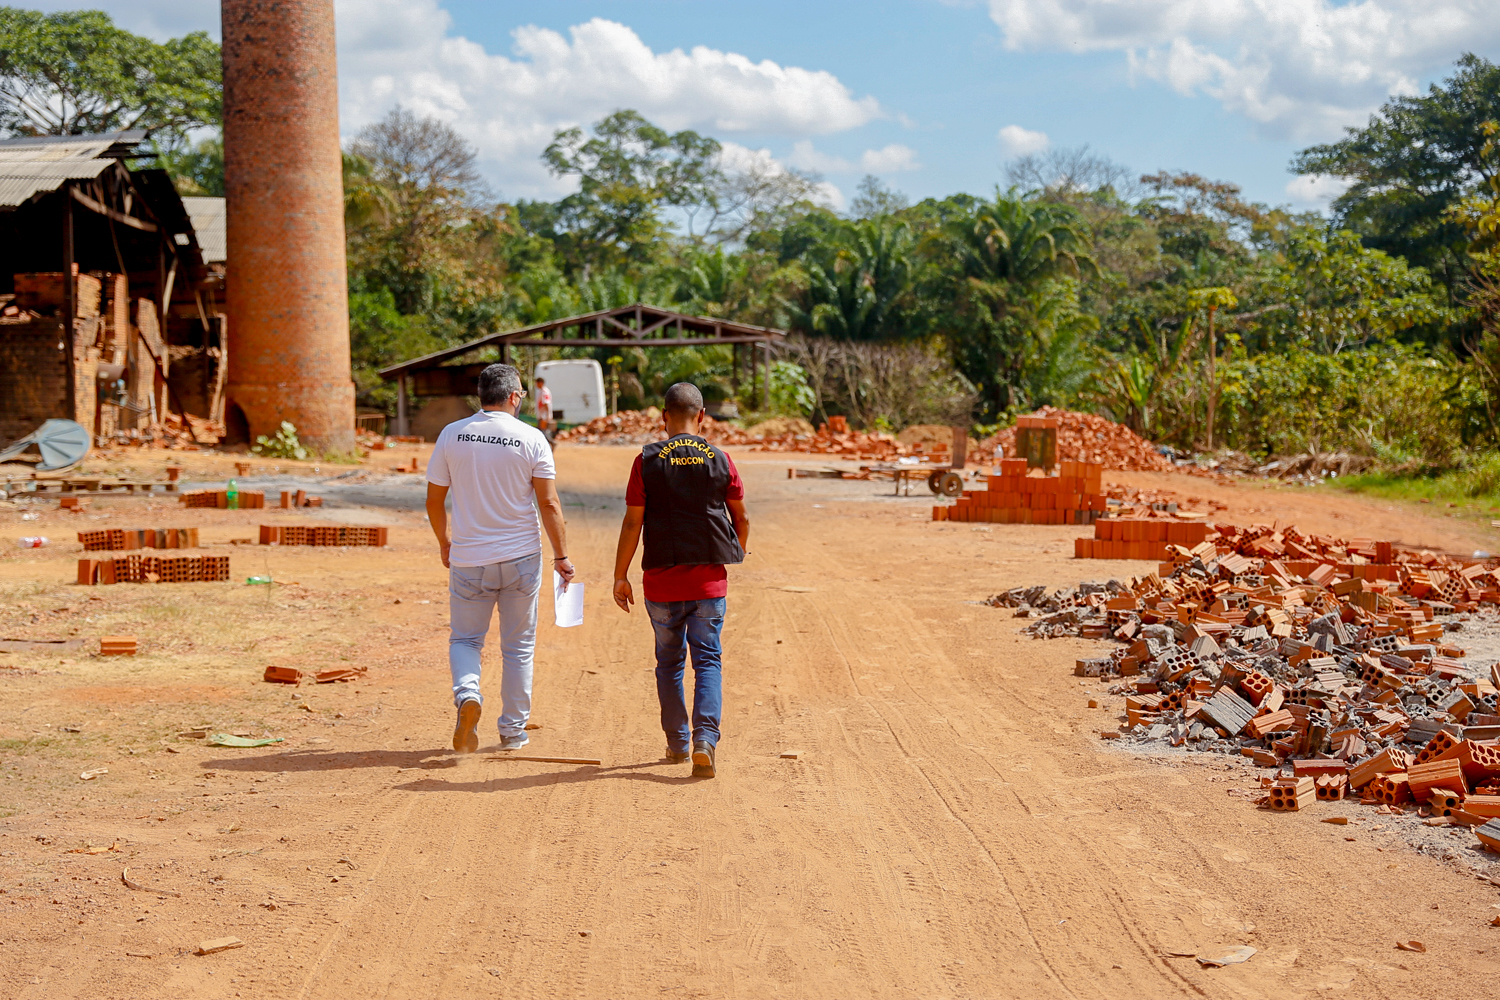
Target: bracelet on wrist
<point>559,558</point>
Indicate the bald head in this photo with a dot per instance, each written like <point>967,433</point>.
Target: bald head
<point>683,401</point>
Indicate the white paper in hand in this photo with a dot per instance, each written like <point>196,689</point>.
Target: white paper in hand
<point>567,604</point>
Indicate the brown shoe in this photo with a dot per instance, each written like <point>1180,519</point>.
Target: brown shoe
<point>677,756</point>
<point>466,732</point>
<point>703,759</point>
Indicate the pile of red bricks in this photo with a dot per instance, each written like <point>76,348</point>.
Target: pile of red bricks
<point>833,438</point>
<point>248,499</point>
<point>1140,538</point>
<point>118,540</point>
<point>1343,684</point>
<point>1073,496</point>
<point>153,569</point>
<point>321,535</point>
<point>1086,437</point>
<point>299,498</point>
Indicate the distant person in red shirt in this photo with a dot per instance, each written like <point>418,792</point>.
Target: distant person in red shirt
<point>544,408</point>
<point>687,495</point>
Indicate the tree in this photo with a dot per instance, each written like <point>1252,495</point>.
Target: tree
<point>1000,308</point>
<point>75,73</point>
<point>430,203</point>
<point>873,199</point>
<point>859,282</point>
<point>196,170</point>
<point>1418,156</point>
<point>1069,172</point>
<point>627,171</point>
<point>1342,294</point>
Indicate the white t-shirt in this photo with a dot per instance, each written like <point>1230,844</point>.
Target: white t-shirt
<point>488,462</point>
<point>544,403</point>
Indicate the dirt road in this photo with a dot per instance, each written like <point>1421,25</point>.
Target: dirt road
<point>951,827</point>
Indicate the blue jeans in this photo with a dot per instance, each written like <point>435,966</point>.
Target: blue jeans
<point>474,592</point>
<point>680,626</point>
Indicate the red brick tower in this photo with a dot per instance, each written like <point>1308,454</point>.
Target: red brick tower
<point>288,298</point>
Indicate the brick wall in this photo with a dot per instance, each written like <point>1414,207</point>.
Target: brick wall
<point>34,375</point>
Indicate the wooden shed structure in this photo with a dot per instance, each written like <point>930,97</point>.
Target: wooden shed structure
<point>142,312</point>
<point>636,325</point>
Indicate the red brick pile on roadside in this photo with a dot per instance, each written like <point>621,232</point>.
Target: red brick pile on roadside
<point>1334,672</point>
<point>644,426</point>
<point>1086,437</point>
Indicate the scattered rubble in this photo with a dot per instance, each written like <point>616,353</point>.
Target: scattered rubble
<point>1332,669</point>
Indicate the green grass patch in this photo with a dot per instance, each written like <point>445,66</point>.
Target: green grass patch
<point>1473,491</point>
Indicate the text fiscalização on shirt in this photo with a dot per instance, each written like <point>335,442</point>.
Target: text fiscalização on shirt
<point>487,439</point>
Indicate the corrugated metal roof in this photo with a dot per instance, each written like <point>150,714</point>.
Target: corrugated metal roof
<point>208,222</point>
<point>29,165</point>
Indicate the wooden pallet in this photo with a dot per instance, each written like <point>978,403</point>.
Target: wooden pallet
<point>14,486</point>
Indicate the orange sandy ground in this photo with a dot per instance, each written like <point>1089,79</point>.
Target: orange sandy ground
<point>952,826</point>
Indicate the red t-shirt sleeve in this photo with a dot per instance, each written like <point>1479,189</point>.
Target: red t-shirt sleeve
<point>736,489</point>
<point>635,491</point>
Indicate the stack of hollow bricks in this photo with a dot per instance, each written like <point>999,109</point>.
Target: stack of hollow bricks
<point>119,540</point>
<point>321,535</point>
<point>1073,496</point>
<point>248,499</point>
<point>147,569</point>
<point>153,569</point>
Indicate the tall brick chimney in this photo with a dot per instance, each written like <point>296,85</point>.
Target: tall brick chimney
<point>288,300</point>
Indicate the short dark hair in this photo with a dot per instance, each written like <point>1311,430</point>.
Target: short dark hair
<point>540,380</point>
<point>496,383</point>
<point>684,400</point>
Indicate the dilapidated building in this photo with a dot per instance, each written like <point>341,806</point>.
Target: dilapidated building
<point>139,332</point>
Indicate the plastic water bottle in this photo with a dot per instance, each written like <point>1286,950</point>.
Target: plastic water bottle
<point>254,581</point>
<point>33,542</point>
<point>233,494</point>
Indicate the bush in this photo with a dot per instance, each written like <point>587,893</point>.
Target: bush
<point>1392,402</point>
<point>283,445</point>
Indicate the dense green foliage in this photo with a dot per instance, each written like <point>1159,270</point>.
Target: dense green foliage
<point>75,73</point>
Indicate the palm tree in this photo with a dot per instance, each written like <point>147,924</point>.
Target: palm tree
<point>1005,250</point>
<point>859,285</point>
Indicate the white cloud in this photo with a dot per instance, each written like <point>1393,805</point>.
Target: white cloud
<point>402,51</point>
<point>742,159</point>
<point>807,157</point>
<point>1303,68</point>
<point>889,160</point>
<point>1018,141</point>
<point>1315,190</point>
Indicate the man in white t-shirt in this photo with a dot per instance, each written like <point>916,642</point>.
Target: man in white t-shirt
<point>494,464</point>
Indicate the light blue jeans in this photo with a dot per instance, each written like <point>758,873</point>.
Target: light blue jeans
<point>473,594</point>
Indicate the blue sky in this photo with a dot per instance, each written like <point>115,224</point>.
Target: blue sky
<point>933,97</point>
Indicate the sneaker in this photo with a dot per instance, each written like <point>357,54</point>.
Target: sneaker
<point>466,731</point>
<point>514,742</point>
<point>703,759</point>
<point>677,756</point>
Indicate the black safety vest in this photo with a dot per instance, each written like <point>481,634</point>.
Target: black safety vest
<point>686,520</point>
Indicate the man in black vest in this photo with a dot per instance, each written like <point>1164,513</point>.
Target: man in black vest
<point>687,495</point>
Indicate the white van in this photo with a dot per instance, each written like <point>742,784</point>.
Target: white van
<point>577,390</point>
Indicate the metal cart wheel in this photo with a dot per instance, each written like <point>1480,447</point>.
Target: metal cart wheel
<point>934,481</point>
<point>950,484</point>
